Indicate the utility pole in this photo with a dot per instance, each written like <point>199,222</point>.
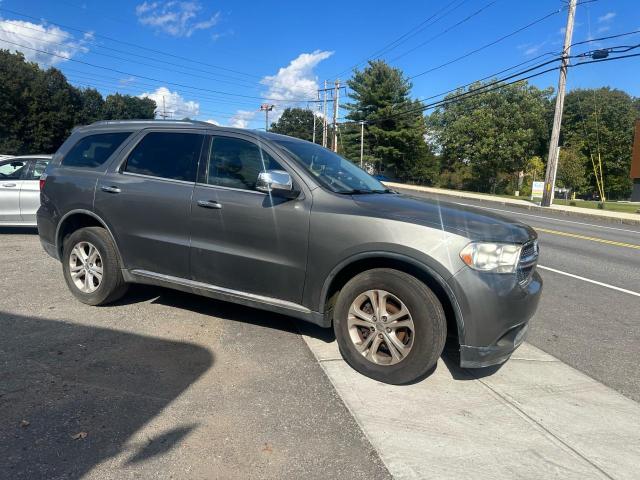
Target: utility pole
<point>336,101</point>
<point>552,159</point>
<point>267,108</point>
<point>164,110</point>
<point>324,115</point>
<point>361,144</point>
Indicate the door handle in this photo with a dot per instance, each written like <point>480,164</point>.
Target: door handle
<point>209,204</point>
<point>110,189</point>
<point>9,185</point>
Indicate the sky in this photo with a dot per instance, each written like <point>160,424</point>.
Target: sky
<point>218,61</point>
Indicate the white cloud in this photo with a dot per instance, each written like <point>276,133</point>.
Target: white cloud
<point>242,118</point>
<point>174,104</point>
<point>607,17</point>
<point>603,29</point>
<point>212,122</point>
<point>41,37</point>
<point>175,18</point>
<point>294,82</point>
<point>127,80</point>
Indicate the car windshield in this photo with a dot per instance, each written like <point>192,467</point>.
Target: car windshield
<point>330,169</point>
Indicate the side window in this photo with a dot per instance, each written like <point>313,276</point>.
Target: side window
<point>236,163</point>
<point>39,166</point>
<point>13,169</point>
<point>166,155</point>
<point>93,150</point>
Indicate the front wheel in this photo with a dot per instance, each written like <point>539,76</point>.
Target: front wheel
<point>389,325</point>
<point>91,267</point>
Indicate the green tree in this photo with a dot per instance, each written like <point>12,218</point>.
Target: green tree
<point>127,107</point>
<point>394,124</point>
<point>601,122</point>
<point>572,167</point>
<point>495,133</point>
<point>91,106</point>
<point>298,122</point>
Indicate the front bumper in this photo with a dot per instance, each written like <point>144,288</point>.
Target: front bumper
<point>499,352</point>
<point>495,311</point>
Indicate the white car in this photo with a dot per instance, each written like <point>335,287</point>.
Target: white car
<point>20,189</point>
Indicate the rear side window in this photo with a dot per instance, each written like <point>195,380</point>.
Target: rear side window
<point>166,155</point>
<point>93,150</point>
<point>39,166</point>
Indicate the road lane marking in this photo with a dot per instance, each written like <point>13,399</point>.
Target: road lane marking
<point>548,218</point>
<point>585,237</point>
<point>595,282</point>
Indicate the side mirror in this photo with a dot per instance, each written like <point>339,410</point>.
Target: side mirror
<point>276,182</point>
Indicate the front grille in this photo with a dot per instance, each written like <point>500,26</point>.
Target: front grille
<point>527,262</point>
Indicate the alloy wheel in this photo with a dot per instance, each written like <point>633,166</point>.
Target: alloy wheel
<point>380,327</point>
<point>85,267</point>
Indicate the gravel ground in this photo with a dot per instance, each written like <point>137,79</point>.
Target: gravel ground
<point>161,385</point>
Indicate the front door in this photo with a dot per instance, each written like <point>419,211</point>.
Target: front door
<point>243,239</point>
<point>11,174</point>
<point>147,200</point>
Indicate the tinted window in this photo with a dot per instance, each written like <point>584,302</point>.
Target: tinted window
<point>39,166</point>
<point>13,169</point>
<point>329,168</point>
<point>236,163</point>
<point>93,150</point>
<point>166,155</point>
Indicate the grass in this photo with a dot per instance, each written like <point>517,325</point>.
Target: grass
<point>611,206</point>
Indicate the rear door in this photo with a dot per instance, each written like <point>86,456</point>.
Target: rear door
<point>30,189</point>
<point>11,178</point>
<point>146,198</point>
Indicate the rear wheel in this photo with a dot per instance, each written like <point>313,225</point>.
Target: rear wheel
<point>91,267</point>
<point>389,325</point>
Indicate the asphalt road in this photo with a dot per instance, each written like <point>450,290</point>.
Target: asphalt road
<point>160,385</point>
<point>592,327</point>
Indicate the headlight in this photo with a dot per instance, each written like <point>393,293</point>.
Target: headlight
<point>491,257</point>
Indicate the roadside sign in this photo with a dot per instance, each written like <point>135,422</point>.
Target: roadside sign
<point>537,189</point>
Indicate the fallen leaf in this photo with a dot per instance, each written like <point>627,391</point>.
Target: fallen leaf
<point>25,423</point>
<point>79,435</point>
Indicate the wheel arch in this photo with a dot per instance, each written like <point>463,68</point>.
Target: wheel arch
<point>357,264</point>
<point>80,218</point>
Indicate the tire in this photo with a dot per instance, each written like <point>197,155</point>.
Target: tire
<point>111,286</point>
<point>422,342</point>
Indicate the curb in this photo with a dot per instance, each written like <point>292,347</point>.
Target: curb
<point>504,203</point>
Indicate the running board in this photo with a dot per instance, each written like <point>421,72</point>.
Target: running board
<point>237,296</point>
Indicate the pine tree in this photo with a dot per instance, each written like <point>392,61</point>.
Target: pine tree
<point>394,124</point>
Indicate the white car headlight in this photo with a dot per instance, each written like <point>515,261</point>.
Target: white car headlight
<point>491,257</point>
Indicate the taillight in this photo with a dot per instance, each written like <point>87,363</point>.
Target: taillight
<point>43,179</point>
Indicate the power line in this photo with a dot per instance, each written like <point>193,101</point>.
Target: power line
<point>160,52</point>
<point>236,82</point>
<point>150,78</point>
<point>495,86</point>
<point>406,36</point>
<point>487,45</point>
<point>445,31</point>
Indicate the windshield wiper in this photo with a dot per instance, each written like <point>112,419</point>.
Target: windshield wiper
<point>360,191</point>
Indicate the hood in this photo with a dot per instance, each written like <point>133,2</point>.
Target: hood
<point>473,223</point>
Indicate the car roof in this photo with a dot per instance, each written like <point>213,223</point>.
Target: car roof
<point>27,157</point>
<point>134,125</point>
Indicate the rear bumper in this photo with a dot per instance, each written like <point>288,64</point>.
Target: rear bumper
<point>495,312</point>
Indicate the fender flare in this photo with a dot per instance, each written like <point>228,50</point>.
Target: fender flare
<point>91,214</point>
<point>426,269</point>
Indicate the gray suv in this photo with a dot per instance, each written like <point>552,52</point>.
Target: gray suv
<point>285,225</point>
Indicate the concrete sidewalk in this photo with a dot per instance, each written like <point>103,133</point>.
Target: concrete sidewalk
<point>533,418</point>
<point>584,213</point>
